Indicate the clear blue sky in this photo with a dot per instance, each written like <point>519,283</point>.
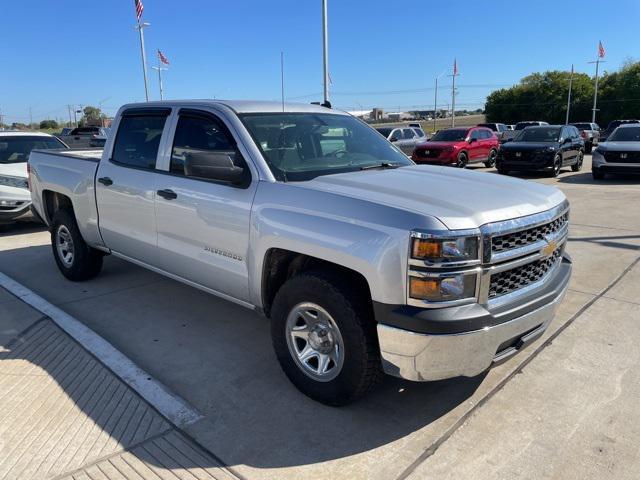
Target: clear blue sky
<point>71,51</point>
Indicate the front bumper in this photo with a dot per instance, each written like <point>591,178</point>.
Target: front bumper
<point>601,165</point>
<point>428,356</point>
<point>14,213</point>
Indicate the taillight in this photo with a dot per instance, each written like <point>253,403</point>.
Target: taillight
<point>583,134</point>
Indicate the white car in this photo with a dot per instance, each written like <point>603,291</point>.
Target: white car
<point>15,147</point>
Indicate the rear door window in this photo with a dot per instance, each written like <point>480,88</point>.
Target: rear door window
<point>408,133</point>
<point>138,140</point>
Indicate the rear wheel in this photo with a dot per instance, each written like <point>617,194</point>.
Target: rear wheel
<point>76,260</point>
<point>491,161</point>
<point>576,167</point>
<point>324,338</point>
<point>462,160</point>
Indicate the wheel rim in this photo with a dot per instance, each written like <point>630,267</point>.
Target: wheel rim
<point>64,245</point>
<point>580,159</point>
<point>315,342</point>
<point>556,166</point>
<point>462,161</point>
<point>492,158</point>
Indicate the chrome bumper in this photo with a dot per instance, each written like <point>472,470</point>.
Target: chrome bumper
<point>424,357</point>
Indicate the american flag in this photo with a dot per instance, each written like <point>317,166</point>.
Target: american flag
<point>455,66</point>
<point>601,51</point>
<point>162,58</point>
<point>139,9</point>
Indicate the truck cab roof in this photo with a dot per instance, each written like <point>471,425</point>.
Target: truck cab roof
<point>241,106</point>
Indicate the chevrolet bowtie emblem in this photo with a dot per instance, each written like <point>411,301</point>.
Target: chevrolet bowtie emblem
<point>549,248</point>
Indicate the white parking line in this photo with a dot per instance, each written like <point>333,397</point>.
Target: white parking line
<point>174,408</point>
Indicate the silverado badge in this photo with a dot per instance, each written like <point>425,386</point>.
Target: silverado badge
<point>549,248</point>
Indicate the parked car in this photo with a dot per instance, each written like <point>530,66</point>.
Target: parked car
<point>459,146</point>
<point>81,137</point>
<point>547,148</point>
<point>363,262</point>
<point>497,128</point>
<point>405,138</point>
<point>15,147</point>
<point>619,154</point>
<point>98,141</point>
<point>510,127</point>
<point>64,132</point>
<point>507,136</point>
<point>604,134</point>
<point>590,133</point>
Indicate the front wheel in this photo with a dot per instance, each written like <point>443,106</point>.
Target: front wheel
<point>576,167</point>
<point>557,166</point>
<point>462,160</point>
<point>324,338</point>
<point>76,260</point>
<point>491,160</point>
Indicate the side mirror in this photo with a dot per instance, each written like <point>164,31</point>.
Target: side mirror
<point>393,139</point>
<point>220,166</point>
<point>472,140</point>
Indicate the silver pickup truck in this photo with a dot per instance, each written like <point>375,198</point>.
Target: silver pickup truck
<point>363,261</point>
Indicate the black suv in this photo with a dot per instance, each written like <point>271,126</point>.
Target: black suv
<point>548,148</point>
<point>612,126</point>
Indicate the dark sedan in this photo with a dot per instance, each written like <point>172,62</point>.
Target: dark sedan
<point>543,148</point>
<point>619,154</point>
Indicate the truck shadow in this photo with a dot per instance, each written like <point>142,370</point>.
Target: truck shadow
<point>218,357</point>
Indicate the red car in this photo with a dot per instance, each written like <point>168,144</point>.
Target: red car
<point>459,146</point>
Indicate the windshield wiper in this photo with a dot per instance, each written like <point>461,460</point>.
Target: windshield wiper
<point>381,165</point>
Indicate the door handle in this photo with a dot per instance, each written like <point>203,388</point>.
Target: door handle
<point>167,194</point>
<point>106,181</point>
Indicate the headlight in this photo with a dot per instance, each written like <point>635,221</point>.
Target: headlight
<point>444,250</point>
<point>16,182</point>
<point>443,288</point>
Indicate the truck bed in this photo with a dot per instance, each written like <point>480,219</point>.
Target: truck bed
<point>91,154</point>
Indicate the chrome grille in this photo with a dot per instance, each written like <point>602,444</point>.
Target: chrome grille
<point>509,281</point>
<point>509,241</point>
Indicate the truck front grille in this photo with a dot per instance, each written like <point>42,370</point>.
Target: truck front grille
<point>509,241</point>
<point>509,281</point>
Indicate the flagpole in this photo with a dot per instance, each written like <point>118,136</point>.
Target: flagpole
<point>453,93</point>
<point>595,93</point>
<point>325,52</point>
<point>141,26</point>
<point>160,69</point>
<point>569,96</point>
<point>282,78</point>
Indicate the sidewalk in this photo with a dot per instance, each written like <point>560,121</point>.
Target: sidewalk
<point>64,415</point>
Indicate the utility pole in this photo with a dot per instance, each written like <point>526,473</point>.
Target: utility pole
<point>69,112</point>
<point>325,53</point>
<point>435,102</point>
<point>140,27</point>
<point>569,96</point>
<point>30,117</point>
<point>282,78</point>
<point>453,92</point>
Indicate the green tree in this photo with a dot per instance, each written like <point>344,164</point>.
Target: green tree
<point>44,124</point>
<point>91,116</point>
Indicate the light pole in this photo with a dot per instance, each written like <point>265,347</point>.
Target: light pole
<point>435,102</point>
<point>160,69</point>
<point>140,27</point>
<point>569,96</point>
<point>595,93</point>
<point>325,53</point>
<point>453,92</point>
<point>282,78</point>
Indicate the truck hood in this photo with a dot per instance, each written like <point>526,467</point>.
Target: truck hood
<point>14,169</point>
<point>460,199</point>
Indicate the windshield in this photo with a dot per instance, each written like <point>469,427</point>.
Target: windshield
<point>450,135</point>
<point>384,131</point>
<point>538,134</point>
<point>626,134</point>
<point>17,149</point>
<point>523,125</point>
<point>302,146</point>
<point>582,126</point>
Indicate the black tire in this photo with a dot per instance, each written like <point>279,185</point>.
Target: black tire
<point>491,161</point>
<point>557,166</point>
<point>576,167</point>
<point>462,160</point>
<point>502,170</point>
<point>352,314</point>
<point>588,147</point>
<point>597,174</point>
<point>85,262</point>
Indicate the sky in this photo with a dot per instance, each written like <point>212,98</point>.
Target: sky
<point>381,53</point>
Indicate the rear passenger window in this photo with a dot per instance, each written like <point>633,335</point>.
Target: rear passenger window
<point>408,133</point>
<point>198,136</point>
<point>137,140</point>
<point>397,134</point>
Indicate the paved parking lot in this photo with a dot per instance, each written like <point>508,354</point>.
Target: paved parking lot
<point>563,408</point>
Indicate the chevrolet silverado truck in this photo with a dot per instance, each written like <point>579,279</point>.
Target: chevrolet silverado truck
<point>363,262</point>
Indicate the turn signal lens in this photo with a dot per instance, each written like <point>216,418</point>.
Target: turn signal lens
<point>427,248</point>
<point>457,287</point>
<point>459,249</point>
